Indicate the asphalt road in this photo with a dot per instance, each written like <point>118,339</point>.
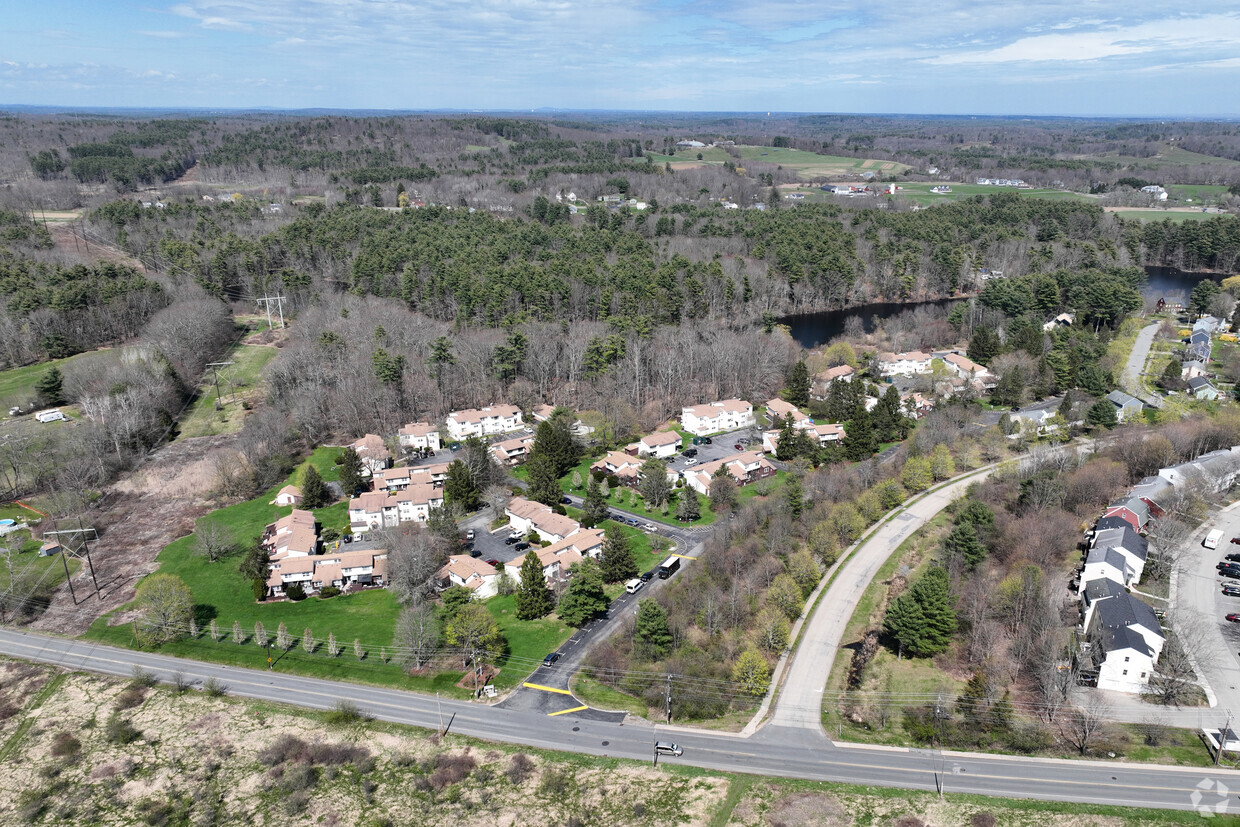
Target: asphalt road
<point>1136,364</point>
<point>776,750</point>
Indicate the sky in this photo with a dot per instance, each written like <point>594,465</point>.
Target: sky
<point>1048,57</point>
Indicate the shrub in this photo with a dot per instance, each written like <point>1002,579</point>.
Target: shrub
<point>214,687</point>
<point>451,769</point>
<point>521,768</point>
<point>346,712</point>
<point>142,677</point>
<point>120,731</point>
<point>65,745</point>
<point>328,591</point>
<point>130,697</point>
<point>295,592</point>
<point>554,784</point>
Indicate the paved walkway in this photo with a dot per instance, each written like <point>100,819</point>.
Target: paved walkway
<point>800,701</point>
<point>1136,365</point>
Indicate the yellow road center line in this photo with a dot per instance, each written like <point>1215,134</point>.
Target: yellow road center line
<point>529,685</point>
<point>566,711</point>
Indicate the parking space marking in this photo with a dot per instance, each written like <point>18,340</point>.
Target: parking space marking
<point>529,685</point>
<point>566,711</point>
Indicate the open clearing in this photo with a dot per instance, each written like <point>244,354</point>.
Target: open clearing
<point>238,384</point>
<point>809,164</point>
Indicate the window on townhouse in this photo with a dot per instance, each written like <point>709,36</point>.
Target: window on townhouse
<point>1125,660</point>
<point>1125,671</point>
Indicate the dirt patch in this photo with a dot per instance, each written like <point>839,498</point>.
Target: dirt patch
<point>143,512</point>
<point>67,239</point>
<point>807,809</point>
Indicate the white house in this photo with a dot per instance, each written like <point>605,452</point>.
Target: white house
<point>288,495</point>
<point>513,451</point>
<point>559,557</point>
<point>1062,320</point>
<point>1106,563</point>
<point>821,434</point>
<point>526,516</point>
<point>1193,368</point>
<point>1156,191</point>
<point>745,467</point>
<point>294,535</point>
<point>1125,642</point>
<point>1126,407</point>
<point>713,417</point>
<point>494,419</point>
<point>377,509</point>
<point>419,436</point>
<point>963,366</point>
<point>779,409</point>
<point>1217,470</point>
<point>392,479</point>
<point>462,570</point>
<point>343,569</point>
<point>903,364</point>
<point>659,445</point>
<point>374,454</point>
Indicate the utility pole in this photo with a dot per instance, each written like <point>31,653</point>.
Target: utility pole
<point>84,551</point>
<point>1222,738</point>
<point>669,698</point>
<point>266,302</point>
<point>270,666</point>
<point>215,377</point>
<point>439,706</point>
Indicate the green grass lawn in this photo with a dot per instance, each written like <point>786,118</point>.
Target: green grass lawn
<point>529,641</point>
<point>919,192</point>
<point>17,384</point>
<point>242,377</point>
<point>1203,193</point>
<point>1164,215</point>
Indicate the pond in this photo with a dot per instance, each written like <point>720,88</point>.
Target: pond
<point>810,330</point>
<point>1165,282</point>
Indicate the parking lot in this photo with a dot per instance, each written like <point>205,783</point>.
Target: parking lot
<point>723,445</point>
<point>1200,607</point>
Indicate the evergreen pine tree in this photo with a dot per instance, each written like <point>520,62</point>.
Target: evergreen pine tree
<point>314,493</point>
<point>859,441</point>
<point>688,509</point>
<point>962,543</point>
<point>544,482</point>
<point>1102,413</point>
<point>786,447</point>
<point>922,619</point>
<point>594,507</point>
<point>794,496</point>
<point>50,387</point>
<point>796,389</point>
<point>618,564</point>
<point>459,488</point>
<point>984,345</point>
<point>351,478</point>
<point>584,599</point>
<point>534,599</point>
<point>652,637</point>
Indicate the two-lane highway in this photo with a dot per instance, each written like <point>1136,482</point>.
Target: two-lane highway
<point>777,750</point>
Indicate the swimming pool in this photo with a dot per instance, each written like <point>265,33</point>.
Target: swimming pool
<point>8,522</point>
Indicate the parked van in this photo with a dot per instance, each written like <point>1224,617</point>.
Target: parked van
<point>52,415</point>
<point>634,585</point>
<point>1213,539</point>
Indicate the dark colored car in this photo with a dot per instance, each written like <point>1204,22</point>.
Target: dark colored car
<point>1231,590</point>
<point>522,546</point>
<point>1235,558</point>
<point>551,659</point>
<point>689,452</point>
<point>648,576</point>
<point>493,563</point>
<point>510,540</point>
<point>1234,574</point>
<point>1236,540</point>
<point>475,552</point>
<point>708,440</point>
<point>566,500</point>
<point>1227,564</point>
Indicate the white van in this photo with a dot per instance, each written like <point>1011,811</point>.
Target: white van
<point>634,585</point>
<point>1213,538</point>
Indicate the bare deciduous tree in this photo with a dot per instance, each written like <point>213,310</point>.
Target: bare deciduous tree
<point>214,540</point>
<point>1080,725</point>
<point>414,555</point>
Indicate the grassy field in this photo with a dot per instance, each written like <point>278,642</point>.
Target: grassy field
<point>1199,193</point>
<point>919,192</point>
<point>17,384</point>
<point>1164,215</point>
<point>805,163</point>
<point>529,641</point>
<point>237,383</point>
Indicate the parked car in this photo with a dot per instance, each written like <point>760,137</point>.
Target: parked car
<point>522,546</point>
<point>649,527</point>
<point>707,440</point>
<point>493,563</point>
<point>739,447</point>
<point>1234,574</point>
<point>510,540</point>
<point>689,452</point>
<point>691,461</point>
<point>1231,590</point>
<point>566,500</point>
<point>1233,557</point>
<point>649,575</point>
<point>475,552</point>
<point>551,659</point>
<point>1236,540</point>
<point>1234,617</point>
<point>632,521</point>
<point>469,535</point>
<point>1227,564</point>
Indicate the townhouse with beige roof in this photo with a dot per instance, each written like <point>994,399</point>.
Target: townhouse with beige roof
<point>714,417</point>
<point>821,434</point>
<point>778,409</point>
<point>294,535</point>
<point>659,445</point>
<point>821,385</point>
<point>421,436</point>
<point>346,570</point>
<point>559,557</point>
<point>964,367</point>
<point>513,451</point>
<point>745,467</point>
<point>482,579</point>
<point>494,419</point>
<point>624,467</point>
<point>903,364</point>
<point>383,509</point>
<point>526,516</point>
<point>288,495</point>
<point>374,454</point>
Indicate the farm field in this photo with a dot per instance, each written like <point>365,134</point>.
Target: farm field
<point>1168,156</point>
<point>17,384</point>
<point>919,192</point>
<point>1164,215</point>
<point>807,163</point>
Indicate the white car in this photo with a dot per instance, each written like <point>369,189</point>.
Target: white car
<point>691,461</point>
<point>649,527</point>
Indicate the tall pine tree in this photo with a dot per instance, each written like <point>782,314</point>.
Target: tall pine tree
<point>796,389</point>
<point>617,563</point>
<point>922,620</point>
<point>534,599</point>
<point>351,479</point>
<point>594,509</point>
<point>859,440</point>
<point>314,492</point>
